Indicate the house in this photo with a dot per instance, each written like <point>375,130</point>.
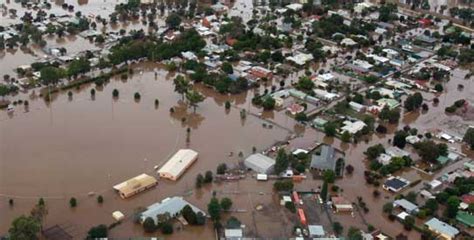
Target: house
<point>443,160</point>
<point>406,205</point>
<point>295,108</point>
<point>353,127</point>
<point>384,159</point>
<point>261,72</point>
<point>434,184</point>
<point>348,42</point>
<point>300,59</point>
<point>233,234</point>
<point>319,123</point>
<point>326,160</point>
<point>412,139</point>
<point>316,231</point>
<point>260,163</point>
<point>395,184</point>
<point>389,102</point>
<point>303,96</point>
<point>295,6</point>
<point>394,151</point>
<point>177,164</point>
<point>402,215</point>
<point>325,95</point>
<point>439,227</point>
<point>172,206</point>
<point>357,107</point>
<point>465,218</point>
<point>469,165</point>
<point>325,77</point>
<point>362,64</point>
<point>135,185</point>
<point>189,55</point>
<point>340,204</point>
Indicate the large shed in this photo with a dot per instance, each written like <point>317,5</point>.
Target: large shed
<point>260,163</point>
<point>135,185</point>
<point>178,163</point>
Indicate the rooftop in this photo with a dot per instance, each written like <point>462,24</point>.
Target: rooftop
<point>442,227</point>
<point>326,160</point>
<point>172,205</point>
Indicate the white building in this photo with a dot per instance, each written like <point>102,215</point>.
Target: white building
<point>353,127</point>
<point>178,163</point>
<point>260,163</point>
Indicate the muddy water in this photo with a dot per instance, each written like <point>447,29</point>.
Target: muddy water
<point>436,118</point>
<point>79,145</point>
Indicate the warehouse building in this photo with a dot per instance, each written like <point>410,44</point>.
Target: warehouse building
<point>135,185</point>
<point>260,163</point>
<point>178,163</point>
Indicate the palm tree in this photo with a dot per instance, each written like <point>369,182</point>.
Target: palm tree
<point>194,98</point>
<point>181,85</point>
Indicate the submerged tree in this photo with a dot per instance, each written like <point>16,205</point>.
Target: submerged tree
<point>194,98</point>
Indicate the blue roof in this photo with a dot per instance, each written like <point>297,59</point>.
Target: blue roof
<point>436,225</point>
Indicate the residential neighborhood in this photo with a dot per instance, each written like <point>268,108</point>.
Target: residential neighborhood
<point>236,119</point>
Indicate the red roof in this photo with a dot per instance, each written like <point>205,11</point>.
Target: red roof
<point>425,21</point>
<point>468,199</point>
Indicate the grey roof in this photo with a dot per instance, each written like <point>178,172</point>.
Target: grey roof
<point>441,227</point>
<point>326,160</point>
<point>407,205</point>
<point>316,231</point>
<point>172,205</point>
<point>260,163</point>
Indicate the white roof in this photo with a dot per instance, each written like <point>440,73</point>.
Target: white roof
<point>353,127</point>
<point>294,6</point>
<point>403,215</point>
<point>117,215</point>
<point>233,233</point>
<point>348,42</point>
<point>171,205</point>
<point>178,162</point>
<point>316,230</point>
<point>442,227</point>
<point>325,77</point>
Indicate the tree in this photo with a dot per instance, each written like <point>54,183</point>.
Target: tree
<point>338,228</point>
<point>100,199</point>
<point>330,129</point>
<point>388,208</point>
<point>173,20</point>
<point>469,137</point>
<point>226,204</point>
<point>268,103</point>
<point>78,66</point>
<point>73,202</point>
<point>283,185</point>
<point>408,222</point>
<point>354,234</point>
<point>194,98</point>
<point>227,68</point>
<point>452,205</point>
<point>431,205</point>
<point>167,228</point>
<point>399,139</point>
<point>346,137</point>
<point>181,85</point>
<point>214,209</point>
<point>349,169</point>
<point>413,101</point>
<point>221,168</point>
<point>188,214</point>
<point>438,87</point>
<point>301,117</point>
<point>281,162</point>
<point>99,231</point>
<point>392,116</point>
<point>149,225</point>
<point>305,84</point>
<point>208,177</point>
<point>51,75</point>
<point>430,151</point>
<point>329,176</point>
<point>24,228</point>
<point>115,93</point>
<point>374,151</point>
<point>324,191</point>
<point>199,180</point>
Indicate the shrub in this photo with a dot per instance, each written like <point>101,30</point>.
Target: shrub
<point>72,202</point>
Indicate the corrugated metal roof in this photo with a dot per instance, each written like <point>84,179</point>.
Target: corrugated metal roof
<point>172,205</point>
